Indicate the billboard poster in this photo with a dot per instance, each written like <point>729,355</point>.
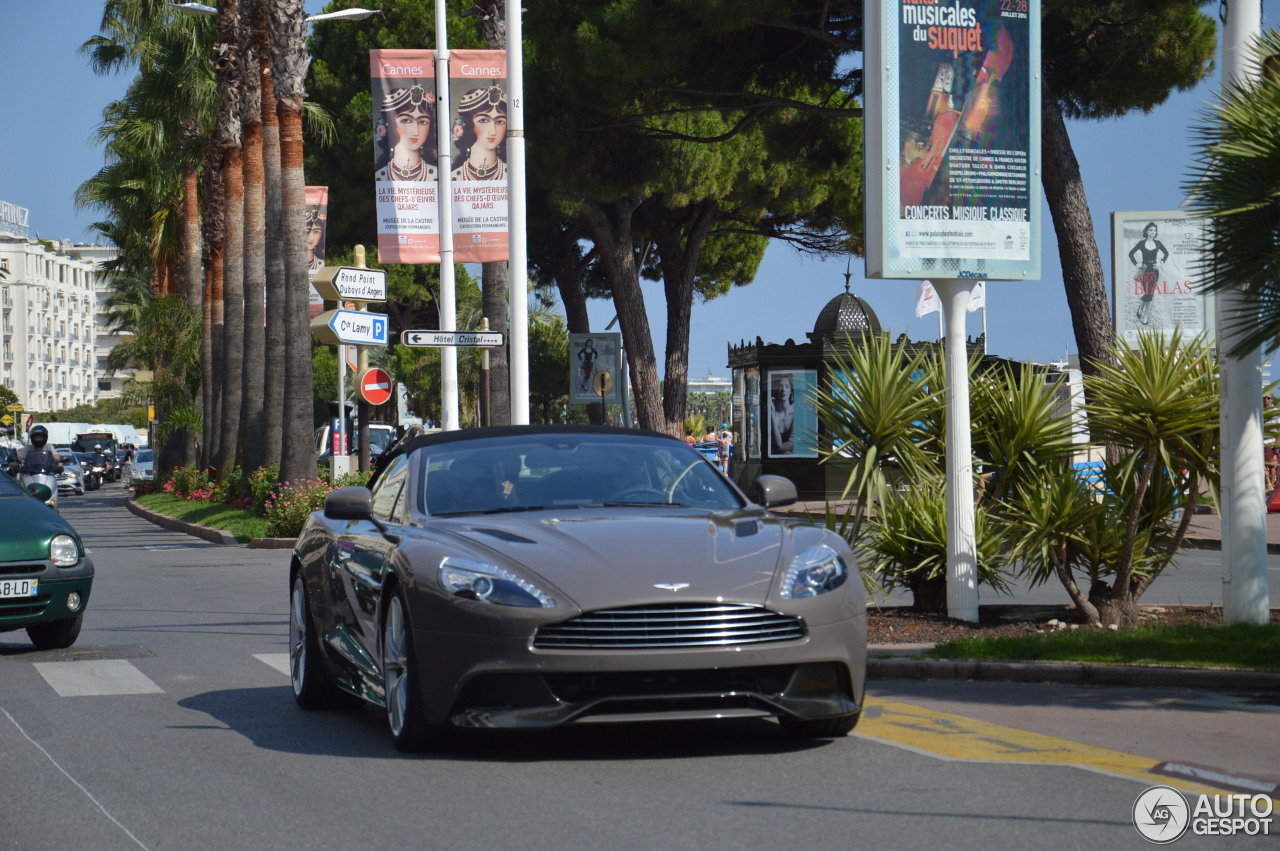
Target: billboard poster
<point>478,128</point>
<point>953,118</point>
<point>1156,287</point>
<point>793,419</point>
<point>405,155</point>
<point>589,355</point>
<point>317,201</point>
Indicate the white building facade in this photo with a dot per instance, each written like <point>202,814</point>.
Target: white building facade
<point>48,305</point>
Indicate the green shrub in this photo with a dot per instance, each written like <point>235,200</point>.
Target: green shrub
<point>289,505</point>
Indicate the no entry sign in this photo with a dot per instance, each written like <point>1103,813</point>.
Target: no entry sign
<point>374,386</point>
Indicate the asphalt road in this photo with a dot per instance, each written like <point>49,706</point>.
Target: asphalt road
<point>171,724</point>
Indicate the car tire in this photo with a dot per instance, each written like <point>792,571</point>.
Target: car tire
<point>405,719</point>
<point>820,728</point>
<point>312,687</point>
<point>55,635</point>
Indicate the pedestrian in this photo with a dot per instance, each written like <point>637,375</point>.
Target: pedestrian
<point>724,449</point>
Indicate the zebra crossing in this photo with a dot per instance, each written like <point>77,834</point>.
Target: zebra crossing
<point>106,677</point>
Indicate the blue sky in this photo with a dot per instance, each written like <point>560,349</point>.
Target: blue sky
<point>52,104</point>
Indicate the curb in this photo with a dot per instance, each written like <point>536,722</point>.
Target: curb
<point>272,543</point>
<point>1047,672</point>
<point>216,536</point>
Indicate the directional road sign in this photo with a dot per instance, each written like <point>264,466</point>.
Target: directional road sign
<point>374,386</point>
<point>348,283</point>
<point>349,326</point>
<point>13,408</point>
<point>436,339</point>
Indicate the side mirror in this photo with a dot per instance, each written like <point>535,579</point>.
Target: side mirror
<point>353,503</point>
<point>41,492</point>
<point>774,491</point>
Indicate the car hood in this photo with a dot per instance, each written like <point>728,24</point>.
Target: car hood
<point>26,528</point>
<point>603,558</point>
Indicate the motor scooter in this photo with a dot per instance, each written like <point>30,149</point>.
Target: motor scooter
<point>93,480</point>
<point>42,481</point>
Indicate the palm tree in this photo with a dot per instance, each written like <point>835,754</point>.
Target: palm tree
<point>229,66</point>
<point>1237,171</point>
<point>289,62</point>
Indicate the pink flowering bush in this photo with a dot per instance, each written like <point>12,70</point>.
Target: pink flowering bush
<point>290,504</point>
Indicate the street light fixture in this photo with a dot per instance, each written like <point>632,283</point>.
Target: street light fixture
<point>197,9</point>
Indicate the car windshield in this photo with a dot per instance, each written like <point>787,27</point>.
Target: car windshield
<point>556,471</point>
<point>144,456</point>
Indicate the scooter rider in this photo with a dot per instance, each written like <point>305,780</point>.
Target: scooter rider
<point>36,457</point>
<point>97,464</point>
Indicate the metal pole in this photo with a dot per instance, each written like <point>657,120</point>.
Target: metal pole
<point>448,303</point>
<point>340,440</point>
<point>962,552</point>
<point>362,362</point>
<point>1245,591</point>
<point>485,410</point>
<point>518,271</point>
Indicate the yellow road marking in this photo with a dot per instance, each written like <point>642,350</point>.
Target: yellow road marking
<point>956,737</point>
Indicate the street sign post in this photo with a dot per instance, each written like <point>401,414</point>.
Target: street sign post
<point>374,386</point>
<point>349,283</point>
<point>13,408</point>
<point>349,326</point>
<point>439,339</point>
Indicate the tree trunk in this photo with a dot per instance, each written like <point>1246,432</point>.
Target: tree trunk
<point>1082,272</point>
<point>193,280</point>
<point>233,318</point>
<point>274,351</point>
<point>211,344</point>
<point>679,251</point>
<point>227,59</point>
<point>255,276</point>
<point>289,63</point>
<point>493,277</point>
<point>611,230</point>
<point>298,461</point>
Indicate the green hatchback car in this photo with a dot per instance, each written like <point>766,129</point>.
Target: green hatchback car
<point>45,574</point>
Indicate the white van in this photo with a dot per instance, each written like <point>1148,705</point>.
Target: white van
<point>381,436</point>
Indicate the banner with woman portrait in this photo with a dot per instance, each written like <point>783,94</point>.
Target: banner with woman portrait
<point>407,120</point>
<point>317,200</point>
<point>404,143</point>
<point>793,417</point>
<point>1157,285</point>
<point>478,128</point>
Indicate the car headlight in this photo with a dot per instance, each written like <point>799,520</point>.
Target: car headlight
<point>63,551</point>
<point>473,579</point>
<point>815,571</point>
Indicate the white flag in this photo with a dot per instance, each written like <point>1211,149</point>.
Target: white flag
<point>977,297</point>
<point>927,300</point>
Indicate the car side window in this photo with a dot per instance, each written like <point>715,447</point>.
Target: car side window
<point>388,488</point>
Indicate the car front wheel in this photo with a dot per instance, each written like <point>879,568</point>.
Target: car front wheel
<point>408,726</point>
<point>55,635</point>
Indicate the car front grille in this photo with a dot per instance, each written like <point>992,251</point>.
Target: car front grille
<point>675,625</point>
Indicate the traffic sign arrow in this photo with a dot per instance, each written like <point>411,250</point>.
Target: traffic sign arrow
<point>436,339</point>
<point>349,326</point>
<point>350,283</point>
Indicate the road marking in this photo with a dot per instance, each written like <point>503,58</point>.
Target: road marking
<point>279,661</point>
<point>98,677</point>
<point>955,737</point>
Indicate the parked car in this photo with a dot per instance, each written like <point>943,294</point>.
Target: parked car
<point>535,576</point>
<point>45,573</point>
<point>143,465</point>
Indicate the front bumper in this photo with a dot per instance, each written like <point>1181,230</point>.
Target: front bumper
<point>51,603</point>
<point>504,682</point>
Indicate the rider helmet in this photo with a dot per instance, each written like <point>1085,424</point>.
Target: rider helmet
<point>97,447</point>
<point>39,436</point>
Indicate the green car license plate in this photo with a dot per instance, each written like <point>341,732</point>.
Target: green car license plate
<point>18,587</point>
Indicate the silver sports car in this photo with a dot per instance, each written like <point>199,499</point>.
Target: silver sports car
<point>533,576</point>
